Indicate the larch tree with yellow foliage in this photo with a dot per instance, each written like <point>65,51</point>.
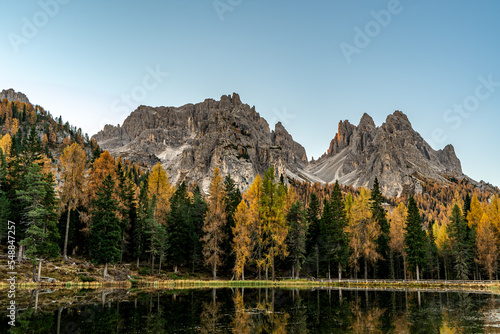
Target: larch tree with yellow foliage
<point>253,197</point>
<point>242,242</point>
<point>159,188</point>
<point>214,222</point>
<point>74,167</point>
<point>397,232</point>
<point>363,232</point>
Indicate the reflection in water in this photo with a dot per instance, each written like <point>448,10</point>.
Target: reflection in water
<point>246,311</point>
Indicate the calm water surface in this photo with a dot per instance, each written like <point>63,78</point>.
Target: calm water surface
<point>254,311</point>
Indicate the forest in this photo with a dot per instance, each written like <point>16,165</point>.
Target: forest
<point>68,198</point>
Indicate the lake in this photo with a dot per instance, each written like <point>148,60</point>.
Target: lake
<point>252,310</point>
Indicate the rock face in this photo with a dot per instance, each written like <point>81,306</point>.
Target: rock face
<point>393,152</point>
<point>192,140</point>
<point>12,95</point>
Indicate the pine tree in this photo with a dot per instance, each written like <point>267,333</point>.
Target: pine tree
<point>296,239</point>
<point>40,217</point>
<point>379,214</point>
<point>4,201</point>
<point>457,232</point>
<point>142,227</point>
<point>415,239</point>
<point>74,166</point>
<point>337,241</point>
<point>126,207</point>
<point>198,210</point>
<point>105,229</point>
<point>178,229</point>
<point>314,230</point>
<point>231,201</point>
<point>214,222</point>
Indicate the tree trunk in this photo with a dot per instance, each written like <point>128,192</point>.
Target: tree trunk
<point>391,257</point>
<point>366,269</point>
<point>418,273</point>
<point>137,263</point>
<point>293,271</point>
<point>404,265</point>
<point>243,273</point>
<point>159,266</point>
<point>340,271</point>
<point>65,249</point>
<point>215,271</point>
<point>20,254</point>
<point>39,270</point>
<point>175,268</point>
<point>329,276</point>
<point>267,273</point>
<point>34,272</point>
<point>105,272</point>
<point>298,272</point>
<point>272,265</point>
<point>152,264</point>
<point>317,261</point>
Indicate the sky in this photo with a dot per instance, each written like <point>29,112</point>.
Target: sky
<point>308,64</point>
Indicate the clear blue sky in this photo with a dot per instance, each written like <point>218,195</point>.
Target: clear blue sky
<point>288,58</point>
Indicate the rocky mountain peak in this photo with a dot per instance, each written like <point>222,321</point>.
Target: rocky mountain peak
<point>394,153</point>
<point>191,140</point>
<point>12,95</point>
<point>366,123</point>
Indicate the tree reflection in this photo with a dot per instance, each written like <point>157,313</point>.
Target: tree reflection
<point>210,316</point>
<point>366,320</point>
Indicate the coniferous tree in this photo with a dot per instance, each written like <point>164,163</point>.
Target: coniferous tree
<point>296,238</point>
<point>178,229</point>
<point>379,214</point>
<point>242,240</point>
<point>415,238</point>
<point>39,216</point>
<point>313,215</point>
<point>231,202</point>
<point>457,232</point>
<point>127,208</point>
<point>432,252</point>
<point>273,203</point>
<point>198,212</point>
<point>337,242</point>
<point>105,229</point>
<point>214,222</point>
<point>141,229</point>
<point>4,201</point>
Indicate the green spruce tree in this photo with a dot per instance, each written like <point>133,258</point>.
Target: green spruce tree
<point>379,214</point>
<point>415,238</point>
<point>105,230</point>
<point>457,232</point>
<point>296,239</point>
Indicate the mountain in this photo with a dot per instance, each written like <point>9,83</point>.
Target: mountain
<point>13,96</point>
<point>192,140</point>
<point>393,152</point>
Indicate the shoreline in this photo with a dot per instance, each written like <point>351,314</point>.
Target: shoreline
<point>434,285</point>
